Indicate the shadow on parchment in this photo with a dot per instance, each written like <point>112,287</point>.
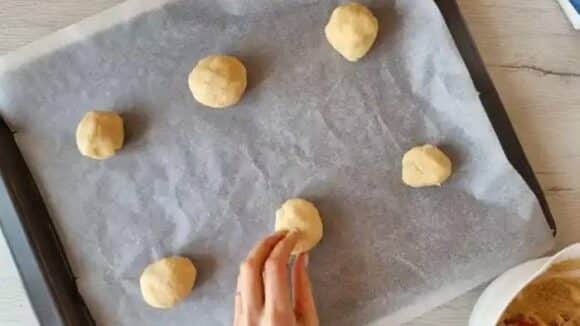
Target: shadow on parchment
<point>455,154</point>
<point>136,124</point>
<point>389,22</point>
<point>257,67</point>
<point>206,266</point>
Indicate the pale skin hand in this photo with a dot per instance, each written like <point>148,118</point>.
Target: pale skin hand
<point>264,296</point>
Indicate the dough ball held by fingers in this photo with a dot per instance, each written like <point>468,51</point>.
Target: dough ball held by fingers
<point>302,216</point>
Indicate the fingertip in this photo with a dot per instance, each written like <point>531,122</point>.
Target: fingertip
<point>279,234</point>
<point>293,235</point>
<point>273,239</point>
<point>293,232</point>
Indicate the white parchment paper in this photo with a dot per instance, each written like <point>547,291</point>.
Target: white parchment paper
<point>205,183</point>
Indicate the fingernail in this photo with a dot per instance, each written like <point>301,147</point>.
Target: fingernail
<point>306,259</point>
<point>281,232</point>
<point>293,233</point>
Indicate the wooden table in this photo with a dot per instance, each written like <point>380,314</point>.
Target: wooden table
<point>530,49</point>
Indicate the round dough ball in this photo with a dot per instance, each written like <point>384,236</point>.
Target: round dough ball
<point>352,30</point>
<point>100,134</point>
<point>218,81</point>
<point>166,282</point>
<point>425,166</point>
<point>301,215</point>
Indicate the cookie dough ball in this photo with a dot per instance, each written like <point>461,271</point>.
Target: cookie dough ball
<point>218,81</point>
<point>100,134</point>
<point>301,215</point>
<point>168,281</point>
<point>425,166</point>
<point>352,30</point>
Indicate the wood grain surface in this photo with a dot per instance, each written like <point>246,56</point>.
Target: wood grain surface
<point>530,49</point>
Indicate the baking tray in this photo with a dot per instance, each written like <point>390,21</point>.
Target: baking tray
<point>40,257</point>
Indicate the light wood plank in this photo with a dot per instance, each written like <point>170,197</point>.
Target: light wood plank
<point>15,308</point>
<point>23,21</point>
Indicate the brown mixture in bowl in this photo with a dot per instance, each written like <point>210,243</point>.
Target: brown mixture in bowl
<point>552,299</point>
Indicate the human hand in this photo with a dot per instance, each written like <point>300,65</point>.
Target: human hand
<point>263,296</point>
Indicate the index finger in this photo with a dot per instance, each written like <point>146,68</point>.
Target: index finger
<point>276,278</point>
<point>250,280</point>
<point>262,249</point>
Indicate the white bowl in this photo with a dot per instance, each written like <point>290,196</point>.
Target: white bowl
<point>498,295</point>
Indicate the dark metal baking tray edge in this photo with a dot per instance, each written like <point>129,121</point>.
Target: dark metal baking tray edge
<point>34,243</point>
<point>39,255</point>
<point>491,102</point>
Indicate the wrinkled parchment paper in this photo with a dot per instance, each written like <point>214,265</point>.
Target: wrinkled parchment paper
<point>205,183</point>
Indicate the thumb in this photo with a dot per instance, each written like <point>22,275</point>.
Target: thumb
<point>304,306</point>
